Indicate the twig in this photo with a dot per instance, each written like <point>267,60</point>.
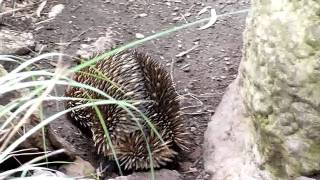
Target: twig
<point>187,51</point>
<point>18,9</point>
<point>75,8</point>
<point>44,21</point>
<point>184,18</point>
<point>78,36</point>
<point>193,97</point>
<point>185,66</point>
<point>190,8</point>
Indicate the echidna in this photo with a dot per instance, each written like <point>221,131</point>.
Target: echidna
<point>131,75</point>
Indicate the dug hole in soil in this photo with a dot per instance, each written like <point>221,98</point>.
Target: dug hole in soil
<point>201,75</point>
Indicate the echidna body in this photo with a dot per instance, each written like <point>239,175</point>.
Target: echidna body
<point>134,76</point>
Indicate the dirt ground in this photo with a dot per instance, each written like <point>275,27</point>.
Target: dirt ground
<point>201,75</point>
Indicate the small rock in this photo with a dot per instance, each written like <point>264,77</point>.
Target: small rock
<point>226,58</point>
<point>55,10</point>
<point>187,14</point>
<point>139,36</point>
<point>176,19</point>
<point>193,169</point>
<point>191,85</point>
<point>80,168</point>
<point>41,48</point>
<point>185,166</point>
<point>143,15</point>
<point>102,44</point>
<point>176,9</point>
<point>192,129</point>
<point>16,43</point>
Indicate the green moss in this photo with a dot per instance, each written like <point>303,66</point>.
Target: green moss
<point>312,36</point>
<point>314,150</point>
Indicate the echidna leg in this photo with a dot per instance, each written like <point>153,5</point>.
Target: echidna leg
<point>106,167</point>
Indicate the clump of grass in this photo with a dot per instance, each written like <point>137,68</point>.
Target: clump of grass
<point>21,108</point>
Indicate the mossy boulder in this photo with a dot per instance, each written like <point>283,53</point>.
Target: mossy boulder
<point>280,84</point>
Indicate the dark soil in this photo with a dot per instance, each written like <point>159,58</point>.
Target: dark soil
<point>201,76</point>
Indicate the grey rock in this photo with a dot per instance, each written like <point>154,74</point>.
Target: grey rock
<point>15,43</point>
<point>60,143</point>
<point>79,168</point>
<point>163,174</point>
<point>228,145</point>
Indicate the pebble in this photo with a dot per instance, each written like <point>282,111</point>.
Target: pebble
<point>139,36</point>
<point>143,15</point>
<point>55,10</point>
<point>187,14</point>
<point>186,68</point>
<point>176,19</point>
<point>16,43</point>
<point>79,168</point>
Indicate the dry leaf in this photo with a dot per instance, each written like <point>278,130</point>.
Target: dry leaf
<point>212,20</point>
<point>203,10</point>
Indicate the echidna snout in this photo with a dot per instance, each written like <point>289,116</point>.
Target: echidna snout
<point>134,76</point>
